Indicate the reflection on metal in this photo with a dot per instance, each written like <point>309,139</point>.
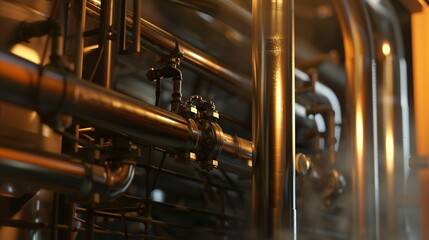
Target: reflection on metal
<point>385,48</point>
<point>361,116</point>
<point>393,114</point>
<point>211,7</point>
<point>80,40</point>
<point>107,36</point>
<point>110,110</point>
<point>137,5</point>
<point>273,120</point>
<point>64,175</point>
<point>26,52</point>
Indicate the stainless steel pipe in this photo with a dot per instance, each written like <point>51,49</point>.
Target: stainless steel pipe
<point>393,117</point>
<point>68,176</point>
<point>361,115</point>
<point>54,91</point>
<point>273,129</point>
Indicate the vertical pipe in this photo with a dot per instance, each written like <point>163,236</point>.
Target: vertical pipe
<point>393,118</point>
<point>136,25</point>
<point>107,10</point>
<point>89,224</point>
<point>361,116</point>
<point>273,119</point>
<point>148,192</point>
<point>80,40</point>
<point>122,31</point>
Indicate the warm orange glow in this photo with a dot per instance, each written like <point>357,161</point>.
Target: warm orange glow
<point>385,48</point>
<point>420,36</point>
<point>359,133</point>
<point>26,52</point>
<point>390,151</point>
<point>388,116</point>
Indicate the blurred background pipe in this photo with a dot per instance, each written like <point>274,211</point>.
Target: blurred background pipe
<point>393,114</point>
<point>361,115</point>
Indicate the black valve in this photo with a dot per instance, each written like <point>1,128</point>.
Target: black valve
<point>170,70</point>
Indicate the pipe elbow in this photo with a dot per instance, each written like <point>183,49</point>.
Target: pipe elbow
<point>122,177</point>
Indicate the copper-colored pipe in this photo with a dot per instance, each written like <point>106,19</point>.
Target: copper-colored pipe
<point>106,41</point>
<point>53,91</point>
<point>273,120</point>
<point>361,116</point>
<point>80,40</point>
<point>137,5</point>
<point>61,174</point>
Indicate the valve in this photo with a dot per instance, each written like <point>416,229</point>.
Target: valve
<point>170,70</point>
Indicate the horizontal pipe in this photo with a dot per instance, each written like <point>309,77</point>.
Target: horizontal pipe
<point>232,13</point>
<point>65,175</point>
<point>53,91</point>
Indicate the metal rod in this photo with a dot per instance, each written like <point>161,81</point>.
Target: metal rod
<point>80,40</point>
<point>177,206</point>
<point>148,192</point>
<point>273,120</point>
<point>361,116</point>
<point>109,110</point>
<point>122,28</point>
<point>89,224</point>
<point>107,9</point>
<point>189,228</point>
<point>137,5</point>
<point>118,234</point>
<point>193,179</point>
<point>55,212</point>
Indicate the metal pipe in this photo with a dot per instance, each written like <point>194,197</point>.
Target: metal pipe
<point>61,174</point>
<point>106,24</point>
<point>80,40</point>
<point>329,135</point>
<point>137,5</point>
<point>393,119</point>
<point>361,115</point>
<point>231,12</point>
<point>122,28</point>
<point>19,83</point>
<point>162,42</point>
<point>273,128</point>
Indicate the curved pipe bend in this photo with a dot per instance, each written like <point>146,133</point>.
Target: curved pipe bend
<point>65,175</point>
<point>120,180</point>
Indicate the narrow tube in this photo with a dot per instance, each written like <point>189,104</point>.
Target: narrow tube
<point>80,40</point>
<point>137,5</point>
<point>107,7</point>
